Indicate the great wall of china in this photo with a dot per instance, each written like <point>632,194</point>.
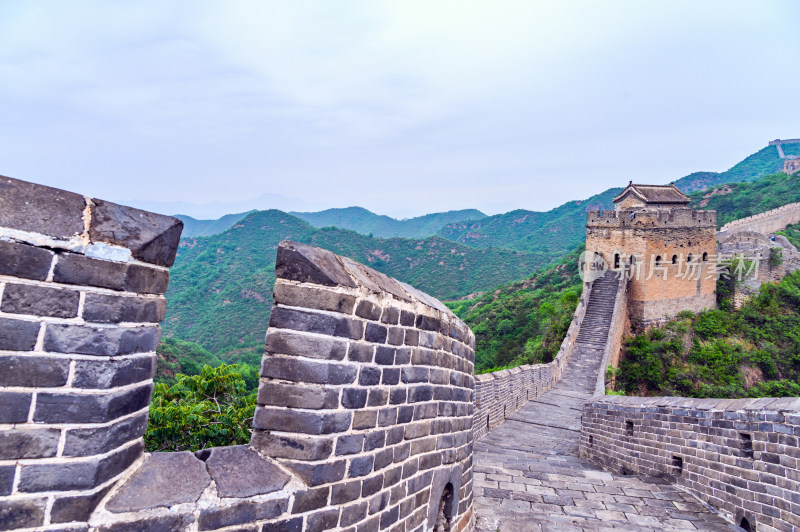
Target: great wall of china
<point>368,418</point>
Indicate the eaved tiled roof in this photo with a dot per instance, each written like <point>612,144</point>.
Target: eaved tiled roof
<point>655,193</point>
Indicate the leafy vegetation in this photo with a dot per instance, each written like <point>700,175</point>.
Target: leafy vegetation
<point>211,409</point>
<point>750,352</point>
<point>739,200</point>
<point>362,221</point>
<point>792,233</point>
<point>523,322</point>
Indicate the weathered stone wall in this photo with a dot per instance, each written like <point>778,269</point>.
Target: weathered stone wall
<point>790,166</point>
<point>365,406</point>
<point>501,393</point>
<point>674,258</point>
<point>81,284</point>
<point>620,325</point>
<point>740,456</point>
<point>766,222</point>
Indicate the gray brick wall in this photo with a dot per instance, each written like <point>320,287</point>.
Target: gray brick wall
<point>738,455</point>
<point>81,284</point>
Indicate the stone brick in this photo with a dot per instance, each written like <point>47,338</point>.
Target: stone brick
<point>14,406</point>
<point>387,417</point>
<point>379,502</point>
<point>372,485</point>
<point>354,397</point>
<point>167,523</point>
<point>241,472</point>
<point>395,435</point>
<point>384,355</point>
<point>383,458</point>
<point>314,298</point>
<point>103,308</point>
<point>377,397</point>
<point>297,447</point>
<point>361,352</point>
<point>366,419</point>
<point>396,335</point>
<point>165,479</point>
<point>414,375</point>
<point>313,322</point>
<point>71,408</point>
<point>115,372</point>
<point>375,333</point>
<point>368,310</point>
<point>353,514</point>
<point>420,393</point>
<point>349,444</point>
<point>375,440</point>
<point>312,499</point>
<point>369,376</point>
<point>296,396</point>
<point>405,414</point>
<point>345,492</point>
<point>82,475</point>
<point>287,525</point>
<point>402,356</point>
<point>324,520</point>
<point>318,474</point>
<point>33,371</point>
<point>151,237</point>
<point>144,280</point>
<point>398,395</point>
<point>308,264</point>
<point>391,316</point>
<point>72,268</point>
<point>7,479</point>
<point>22,513</point>
<point>297,370</point>
<point>92,441</point>
<point>283,420</point>
<point>76,508</point>
<point>412,337</point>
<point>361,466</point>
<point>391,376</point>
<point>18,335</point>
<point>241,513</point>
<point>40,301</point>
<point>302,345</point>
<point>22,260</point>
<point>17,444</point>
<point>389,517</point>
<point>40,209</point>
<point>86,340</point>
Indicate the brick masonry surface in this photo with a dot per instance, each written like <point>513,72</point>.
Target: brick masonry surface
<point>81,284</point>
<point>738,455</point>
<point>766,222</point>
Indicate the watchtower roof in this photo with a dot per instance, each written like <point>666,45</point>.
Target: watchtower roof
<point>654,194</point>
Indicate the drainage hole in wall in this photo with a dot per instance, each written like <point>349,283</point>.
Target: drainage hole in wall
<point>746,444</point>
<point>677,465</point>
<point>591,441</point>
<point>744,524</point>
<point>629,428</point>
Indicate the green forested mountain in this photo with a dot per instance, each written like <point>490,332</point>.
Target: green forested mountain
<point>738,200</point>
<point>220,290</point>
<point>549,234</point>
<point>362,221</point>
<point>523,322</point>
<point>194,227</point>
<point>762,163</point>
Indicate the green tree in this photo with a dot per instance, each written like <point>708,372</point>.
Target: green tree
<point>206,410</point>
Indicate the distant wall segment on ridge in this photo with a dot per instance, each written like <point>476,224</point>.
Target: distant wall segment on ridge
<point>766,222</point>
<point>81,284</point>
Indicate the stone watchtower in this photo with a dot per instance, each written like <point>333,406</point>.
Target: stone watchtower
<point>669,247</point>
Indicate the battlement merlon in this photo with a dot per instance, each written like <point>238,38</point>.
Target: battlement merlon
<point>784,141</point>
<point>651,219</point>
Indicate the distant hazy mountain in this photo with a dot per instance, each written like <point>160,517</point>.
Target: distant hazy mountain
<point>194,227</point>
<point>362,221</point>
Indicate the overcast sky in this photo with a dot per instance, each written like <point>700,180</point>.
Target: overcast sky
<point>403,107</point>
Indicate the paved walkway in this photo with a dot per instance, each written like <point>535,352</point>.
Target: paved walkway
<point>528,476</point>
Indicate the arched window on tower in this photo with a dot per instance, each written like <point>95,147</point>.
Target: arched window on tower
<point>658,260</point>
<point>674,260</point>
<point>616,261</point>
<point>705,257</point>
<point>689,258</point>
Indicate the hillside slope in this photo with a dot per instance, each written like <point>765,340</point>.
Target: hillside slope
<point>220,290</point>
<point>548,234</point>
<point>762,163</point>
<point>193,227</point>
<point>362,221</point>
